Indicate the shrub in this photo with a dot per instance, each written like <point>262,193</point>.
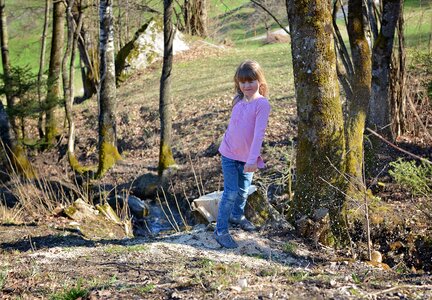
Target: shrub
<point>416,178</point>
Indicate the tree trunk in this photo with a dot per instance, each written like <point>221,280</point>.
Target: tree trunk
<point>165,153</point>
<point>10,98</point>
<point>321,146</point>
<point>8,133</point>
<point>360,84</point>
<point>68,80</point>
<point>195,17</point>
<point>42,66</point>
<point>108,153</point>
<point>379,107</point>
<point>88,46</point>
<point>54,94</point>
<point>398,91</point>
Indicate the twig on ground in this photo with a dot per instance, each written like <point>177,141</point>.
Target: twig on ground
<point>404,286</point>
<point>398,148</point>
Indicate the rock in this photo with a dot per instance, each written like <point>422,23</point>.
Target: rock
<point>260,211</point>
<point>95,225</point>
<point>7,198</point>
<point>146,185</point>
<point>145,48</point>
<point>273,38</point>
<point>137,207</point>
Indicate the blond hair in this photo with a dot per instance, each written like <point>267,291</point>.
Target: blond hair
<point>249,70</point>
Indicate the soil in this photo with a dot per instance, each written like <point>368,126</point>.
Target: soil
<point>45,256</point>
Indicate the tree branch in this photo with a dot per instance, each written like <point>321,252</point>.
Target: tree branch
<point>398,148</point>
<point>271,15</point>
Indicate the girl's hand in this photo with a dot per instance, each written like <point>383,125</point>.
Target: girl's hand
<point>250,167</point>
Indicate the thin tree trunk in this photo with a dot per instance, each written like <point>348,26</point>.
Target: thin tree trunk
<point>195,17</point>
<point>379,108</point>
<point>361,91</point>
<point>320,157</point>
<point>165,153</point>
<point>398,92</point>
<point>88,46</point>
<point>10,98</point>
<point>68,79</point>
<point>108,153</point>
<point>42,66</point>
<point>8,133</point>
<point>54,81</point>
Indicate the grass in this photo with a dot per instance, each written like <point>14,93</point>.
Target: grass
<point>126,249</point>
<point>212,77</point>
<point>3,277</point>
<point>71,293</point>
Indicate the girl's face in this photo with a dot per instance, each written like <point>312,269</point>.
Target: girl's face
<point>249,88</point>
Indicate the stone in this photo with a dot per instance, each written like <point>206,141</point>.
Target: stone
<point>145,48</point>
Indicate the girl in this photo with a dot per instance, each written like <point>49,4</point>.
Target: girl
<point>240,148</point>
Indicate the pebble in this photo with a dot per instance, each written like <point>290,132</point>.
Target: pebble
<point>242,282</point>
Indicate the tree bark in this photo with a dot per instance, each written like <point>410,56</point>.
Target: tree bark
<point>195,17</point>
<point>68,73</point>
<point>42,66</point>
<point>379,108</point>
<point>320,156</point>
<point>11,100</point>
<point>88,47</point>
<point>361,91</point>
<point>165,153</point>
<point>108,153</point>
<point>398,91</point>
<point>54,80</point>
<point>15,153</point>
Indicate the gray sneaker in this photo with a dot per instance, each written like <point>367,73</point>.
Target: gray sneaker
<point>225,240</point>
<point>244,223</point>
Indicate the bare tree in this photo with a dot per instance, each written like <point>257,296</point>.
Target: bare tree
<point>54,93</point>
<point>10,98</point>
<point>88,46</point>
<point>195,17</point>
<point>14,151</point>
<point>42,65</point>
<point>68,79</point>
<point>379,108</point>
<point>165,153</point>
<point>108,153</point>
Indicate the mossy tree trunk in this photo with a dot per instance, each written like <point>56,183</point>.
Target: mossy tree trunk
<point>15,153</point>
<point>54,93</point>
<point>321,145</point>
<point>10,98</point>
<point>379,108</point>
<point>88,46</point>
<point>360,86</point>
<point>108,153</point>
<point>166,158</point>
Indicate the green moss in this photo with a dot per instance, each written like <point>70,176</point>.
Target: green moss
<point>70,211</point>
<point>77,167</point>
<point>21,164</point>
<point>166,158</point>
<point>108,155</point>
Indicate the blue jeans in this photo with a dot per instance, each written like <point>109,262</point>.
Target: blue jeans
<point>234,196</point>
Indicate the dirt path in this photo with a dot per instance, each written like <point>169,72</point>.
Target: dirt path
<point>40,262</point>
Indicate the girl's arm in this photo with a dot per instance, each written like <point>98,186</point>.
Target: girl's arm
<point>262,115</point>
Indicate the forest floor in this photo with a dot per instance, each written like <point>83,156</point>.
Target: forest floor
<point>47,257</point>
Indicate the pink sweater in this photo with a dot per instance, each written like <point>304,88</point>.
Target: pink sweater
<point>245,133</point>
